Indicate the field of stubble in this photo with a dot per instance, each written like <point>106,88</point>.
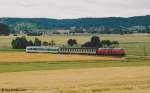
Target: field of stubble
<point>97,80</point>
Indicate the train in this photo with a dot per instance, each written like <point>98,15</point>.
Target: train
<point>86,51</point>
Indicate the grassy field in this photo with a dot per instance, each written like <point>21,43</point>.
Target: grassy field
<point>5,41</point>
<point>17,67</point>
<point>131,49</point>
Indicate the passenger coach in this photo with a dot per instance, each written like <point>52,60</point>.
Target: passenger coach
<point>39,49</point>
<point>88,51</point>
<point>77,50</point>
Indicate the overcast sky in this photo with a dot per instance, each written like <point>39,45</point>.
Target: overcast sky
<point>73,8</point>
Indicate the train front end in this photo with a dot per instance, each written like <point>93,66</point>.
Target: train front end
<point>111,52</point>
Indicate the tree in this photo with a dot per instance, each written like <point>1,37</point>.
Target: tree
<point>87,44</point>
<point>45,43</point>
<point>95,42</point>
<point>72,42</point>
<point>37,42</point>
<point>19,43</point>
<point>52,43</point>
<point>4,29</point>
<point>30,43</point>
<point>106,43</point>
<point>115,43</point>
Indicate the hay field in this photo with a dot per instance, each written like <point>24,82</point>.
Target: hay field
<point>5,41</point>
<point>47,57</point>
<point>97,80</point>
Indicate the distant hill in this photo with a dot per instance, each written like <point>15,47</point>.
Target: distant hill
<point>45,23</point>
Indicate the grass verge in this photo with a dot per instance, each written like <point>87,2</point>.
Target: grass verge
<point>19,67</point>
<point>11,50</point>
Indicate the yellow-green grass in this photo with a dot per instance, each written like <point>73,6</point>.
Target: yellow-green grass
<point>19,67</point>
<point>5,41</point>
<point>41,64</point>
<point>131,48</point>
<point>137,49</point>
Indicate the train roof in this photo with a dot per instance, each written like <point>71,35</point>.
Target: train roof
<point>42,47</point>
<point>78,48</point>
<point>109,48</point>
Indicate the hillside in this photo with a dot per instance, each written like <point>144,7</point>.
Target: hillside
<point>45,23</point>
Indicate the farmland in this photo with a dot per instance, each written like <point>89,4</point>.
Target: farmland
<point>94,80</point>
<point>5,41</point>
<point>47,57</point>
<point>134,44</point>
<point>22,72</point>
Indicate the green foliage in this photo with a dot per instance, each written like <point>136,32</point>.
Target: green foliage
<point>52,43</point>
<point>30,43</point>
<point>45,43</point>
<point>95,42</point>
<point>72,42</point>
<point>37,42</point>
<point>112,25</point>
<point>4,29</point>
<point>22,43</point>
<point>108,43</point>
<point>19,43</point>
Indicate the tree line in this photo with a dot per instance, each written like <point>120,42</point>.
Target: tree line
<point>22,43</point>
<point>95,42</point>
<point>4,29</point>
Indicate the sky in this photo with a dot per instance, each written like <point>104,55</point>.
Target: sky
<point>62,9</point>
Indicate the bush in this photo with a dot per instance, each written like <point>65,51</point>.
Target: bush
<point>45,43</point>
<point>115,43</point>
<point>106,43</point>
<point>52,43</point>
<point>22,43</point>
<point>95,42</point>
<point>37,42</point>
<point>72,42</point>
<point>30,43</point>
<point>19,43</point>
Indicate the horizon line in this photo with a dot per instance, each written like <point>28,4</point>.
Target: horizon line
<point>74,17</point>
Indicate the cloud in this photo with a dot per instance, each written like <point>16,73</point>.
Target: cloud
<point>73,8</point>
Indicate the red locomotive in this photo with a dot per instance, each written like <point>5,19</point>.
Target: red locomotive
<point>110,51</point>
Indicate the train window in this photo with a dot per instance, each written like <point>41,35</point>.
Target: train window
<point>67,50</point>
